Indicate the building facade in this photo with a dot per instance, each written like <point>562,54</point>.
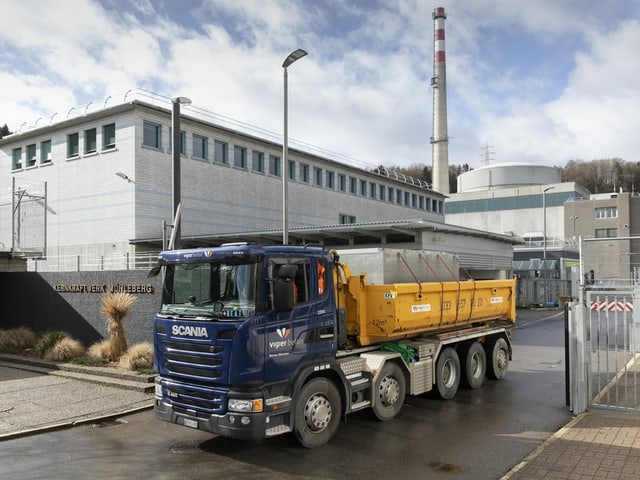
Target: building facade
<point>102,180</point>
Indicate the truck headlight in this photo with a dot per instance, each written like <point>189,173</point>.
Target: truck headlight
<point>245,405</point>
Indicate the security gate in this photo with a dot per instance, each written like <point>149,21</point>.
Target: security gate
<point>605,340</point>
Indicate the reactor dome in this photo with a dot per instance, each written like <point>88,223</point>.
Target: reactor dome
<point>507,175</point>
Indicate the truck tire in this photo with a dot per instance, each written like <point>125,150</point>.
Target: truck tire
<point>475,365</point>
<point>448,373</point>
<point>499,355</point>
<point>317,413</point>
<point>389,392</point>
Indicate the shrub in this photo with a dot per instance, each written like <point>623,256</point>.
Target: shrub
<point>16,340</point>
<point>115,306</point>
<point>47,341</point>
<point>138,357</point>
<point>65,349</point>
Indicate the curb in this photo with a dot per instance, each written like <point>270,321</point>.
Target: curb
<point>73,423</point>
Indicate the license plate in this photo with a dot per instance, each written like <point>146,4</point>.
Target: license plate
<point>187,422</point>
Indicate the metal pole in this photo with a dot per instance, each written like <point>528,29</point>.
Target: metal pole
<point>292,57</point>
<point>285,148</point>
<point>175,172</point>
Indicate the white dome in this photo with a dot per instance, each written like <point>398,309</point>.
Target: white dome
<point>507,175</point>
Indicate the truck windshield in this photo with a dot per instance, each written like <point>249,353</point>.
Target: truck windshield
<point>209,290</point>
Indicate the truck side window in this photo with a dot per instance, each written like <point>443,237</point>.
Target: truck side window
<point>302,280</point>
<point>322,276</point>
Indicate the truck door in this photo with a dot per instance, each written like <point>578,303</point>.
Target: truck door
<point>305,332</point>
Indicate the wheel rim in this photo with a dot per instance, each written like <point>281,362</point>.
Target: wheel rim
<point>476,365</point>
<point>501,358</point>
<point>389,391</point>
<point>448,374</point>
<point>317,412</point>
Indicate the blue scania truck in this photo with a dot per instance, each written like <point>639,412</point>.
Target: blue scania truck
<point>253,341</point>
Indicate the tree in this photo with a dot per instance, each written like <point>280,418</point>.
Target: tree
<point>4,131</point>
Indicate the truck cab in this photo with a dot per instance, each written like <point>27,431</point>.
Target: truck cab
<point>237,326</point>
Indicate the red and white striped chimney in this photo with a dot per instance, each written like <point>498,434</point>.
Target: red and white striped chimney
<point>440,137</point>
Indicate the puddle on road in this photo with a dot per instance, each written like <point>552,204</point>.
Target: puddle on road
<point>445,467</point>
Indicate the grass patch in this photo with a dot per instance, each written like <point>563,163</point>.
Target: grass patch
<point>89,361</point>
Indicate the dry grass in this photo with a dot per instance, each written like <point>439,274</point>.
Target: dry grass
<point>115,306</point>
<point>99,350</point>
<point>16,340</point>
<point>138,357</point>
<point>65,349</point>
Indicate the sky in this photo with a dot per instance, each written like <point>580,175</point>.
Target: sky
<point>544,81</point>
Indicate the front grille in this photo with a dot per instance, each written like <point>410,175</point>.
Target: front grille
<point>191,370</point>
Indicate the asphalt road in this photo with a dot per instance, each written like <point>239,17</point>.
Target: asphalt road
<point>480,434</point>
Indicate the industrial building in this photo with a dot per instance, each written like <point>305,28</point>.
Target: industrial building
<point>553,218</point>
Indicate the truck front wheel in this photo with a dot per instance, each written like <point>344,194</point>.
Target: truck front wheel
<point>317,413</point>
<point>448,373</point>
<point>390,391</point>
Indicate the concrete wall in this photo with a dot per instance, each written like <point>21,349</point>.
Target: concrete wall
<point>71,302</point>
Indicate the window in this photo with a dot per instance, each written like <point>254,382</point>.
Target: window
<point>317,176</point>
<point>353,185</point>
<point>302,279</point>
<point>428,204</point>
<point>221,152</point>
<point>414,200</point>
<point>304,172</point>
<point>72,145</point>
<point>292,170</point>
<point>398,196</point>
<point>407,196</point>
<point>239,157</point>
<point>45,151</point>
<point>363,188</point>
<point>16,158</point>
<point>606,212</point>
<point>373,189</point>
<point>331,183</point>
<point>345,219</point>
<point>421,202</point>
<point>383,191</point>
<point>390,191</point>
<point>151,135</point>
<point>342,182</point>
<point>31,155</point>
<point>274,165</point>
<point>257,162</point>
<point>200,149</point>
<point>606,232</point>
<point>90,145</point>
<point>109,136</point>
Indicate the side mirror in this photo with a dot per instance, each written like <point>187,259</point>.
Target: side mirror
<point>282,295</point>
<point>154,272</point>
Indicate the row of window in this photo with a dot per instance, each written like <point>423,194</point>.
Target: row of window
<point>303,172</point>
<point>606,212</point>
<point>90,143</point>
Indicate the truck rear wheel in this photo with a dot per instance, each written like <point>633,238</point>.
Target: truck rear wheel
<point>499,351</point>
<point>475,365</point>
<point>317,413</point>
<point>389,391</point>
<point>448,373</point>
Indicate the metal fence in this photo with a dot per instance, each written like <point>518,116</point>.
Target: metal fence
<point>604,350</point>
<point>88,263</point>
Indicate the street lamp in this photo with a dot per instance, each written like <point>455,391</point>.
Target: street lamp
<point>292,57</point>
<point>544,239</point>
<point>175,172</point>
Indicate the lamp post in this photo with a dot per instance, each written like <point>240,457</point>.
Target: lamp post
<point>292,57</point>
<point>175,171</point>
<point>544,240</point>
